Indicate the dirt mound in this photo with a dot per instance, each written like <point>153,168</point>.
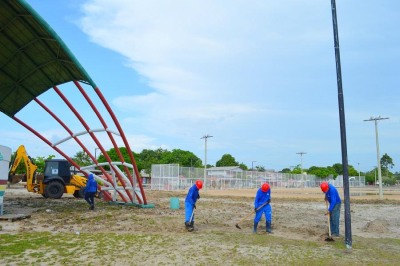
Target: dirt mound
<point>377,226</point>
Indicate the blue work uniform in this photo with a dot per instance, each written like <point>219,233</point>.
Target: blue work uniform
<point>190,202</point>
<point>90,190</point>
<point>261,198</point>
<point>332,196</point>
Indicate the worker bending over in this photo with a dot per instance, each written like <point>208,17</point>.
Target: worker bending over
<point>332,196</point>
<point>190,204</point>
<point>262,206</point>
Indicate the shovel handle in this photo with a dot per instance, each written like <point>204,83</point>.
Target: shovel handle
<point>329,219</point>
<point>247,216</point>
<point>191,216</point>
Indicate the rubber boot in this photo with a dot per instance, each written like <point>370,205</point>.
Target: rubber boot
<point>187,225</point>
<point>92,207</point>
<point>255,228</point>
<point>191,226</point>
<point>268,227</point>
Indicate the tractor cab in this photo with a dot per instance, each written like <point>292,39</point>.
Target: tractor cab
<point>57,169</point>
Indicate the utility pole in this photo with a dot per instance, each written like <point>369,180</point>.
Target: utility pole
<point>301,160</point>
<point>376,119</point>
<point>342,120</point>
<point>205,137</point>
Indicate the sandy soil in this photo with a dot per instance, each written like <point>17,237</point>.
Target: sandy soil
<point>298,214</point>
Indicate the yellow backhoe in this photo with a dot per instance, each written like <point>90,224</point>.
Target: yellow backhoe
<point>56,180</point>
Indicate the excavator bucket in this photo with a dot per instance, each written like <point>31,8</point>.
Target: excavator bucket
<point>14,179</point>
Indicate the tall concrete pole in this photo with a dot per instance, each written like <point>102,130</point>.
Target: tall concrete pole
<point>301,160</point>
<point>342,120</point>
<point>378,160</point>
<point>205,137</point>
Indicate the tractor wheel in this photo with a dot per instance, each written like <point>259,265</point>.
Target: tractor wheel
<point>79,193</point>
<point>54,190</point>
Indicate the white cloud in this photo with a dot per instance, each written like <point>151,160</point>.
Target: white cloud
<point>252,68</point>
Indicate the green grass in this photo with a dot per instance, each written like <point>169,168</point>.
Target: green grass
<point>124,235</point>
<point>204,248</point>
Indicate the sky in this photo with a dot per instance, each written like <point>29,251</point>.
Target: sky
<point>257,76</point>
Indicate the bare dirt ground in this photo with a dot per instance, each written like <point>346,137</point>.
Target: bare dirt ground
<point>298,219</point>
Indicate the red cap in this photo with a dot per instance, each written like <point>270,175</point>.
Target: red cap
<point>265,187</point>
<point>324,187</point>
<point>199,184</point>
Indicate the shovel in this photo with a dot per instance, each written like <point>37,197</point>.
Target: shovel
<point>247,216</point>
<point>329,238</point>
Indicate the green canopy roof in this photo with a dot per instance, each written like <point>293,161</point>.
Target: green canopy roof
<point>33,58</point>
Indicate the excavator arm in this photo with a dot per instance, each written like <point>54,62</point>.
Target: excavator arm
<point>21,155</point>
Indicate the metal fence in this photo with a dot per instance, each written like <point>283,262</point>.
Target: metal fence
<point>174,177</point>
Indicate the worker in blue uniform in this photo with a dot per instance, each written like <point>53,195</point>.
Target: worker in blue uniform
<point>332,196</point>
<point>262,206</point>
<point>90,191</point>
<point>190,204</point>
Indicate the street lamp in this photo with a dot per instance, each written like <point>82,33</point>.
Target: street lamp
<point>376,119</point>
<point>205,137</point>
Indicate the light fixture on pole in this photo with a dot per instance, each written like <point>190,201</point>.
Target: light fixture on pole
<point>376,119</point>
<point>301,160</point>
<point>205,137</point>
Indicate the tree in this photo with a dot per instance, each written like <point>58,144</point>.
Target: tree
<point>148,157</point>
<point>285,170</point>
<point>181,157</point>
<point>352,171</point>
<point>112,153</point>
<point>322,172</point>
<point>243,166</point>
<point>370,176</point>
<point>338,168</point>
<point>41,161</point>
<point>260,168</point>
<point>82,158</point>
<point>38,161</point>
<point>227,160</point>
<point>297,170</point>
<point>386,164</point>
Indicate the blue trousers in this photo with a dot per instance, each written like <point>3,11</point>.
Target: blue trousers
<point>334,219</point>
<point>89,197</point>
<point>189,209</point>
<point>267,211</point>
